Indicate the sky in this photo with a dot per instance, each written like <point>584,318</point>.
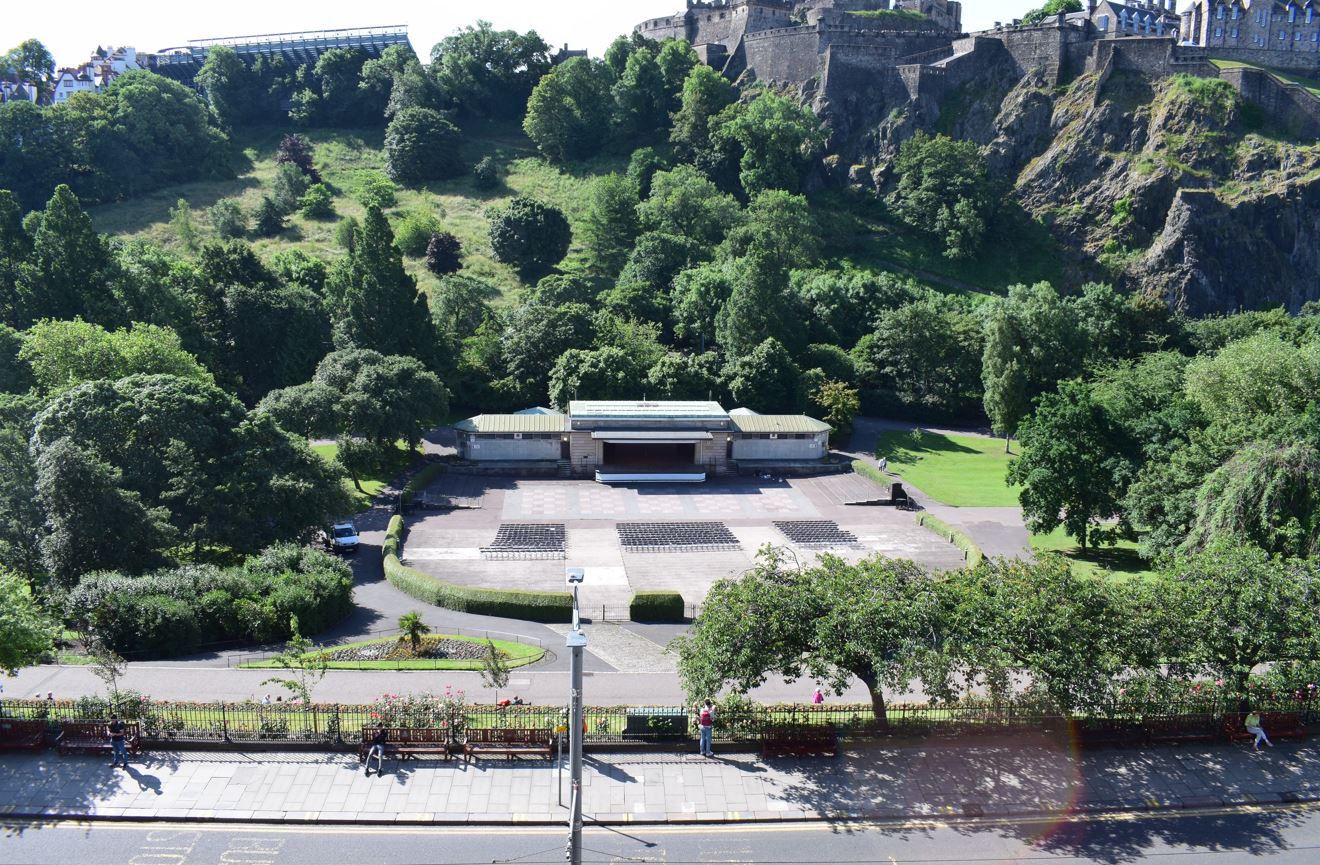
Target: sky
<point>73,28</point>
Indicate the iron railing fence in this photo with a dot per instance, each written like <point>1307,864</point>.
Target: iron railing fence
<point>325,724</point>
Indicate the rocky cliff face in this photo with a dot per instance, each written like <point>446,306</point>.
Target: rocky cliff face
<point>1169,186</point>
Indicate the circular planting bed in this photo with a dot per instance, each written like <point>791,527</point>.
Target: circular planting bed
<point>434,652</point>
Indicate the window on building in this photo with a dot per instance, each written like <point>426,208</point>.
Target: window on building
<point>1283,34</point>
<point>1234,34</point>
<point>1103,23</point>
<point>1219,32</point>
<point>1219,12</point>
<point>1315,37</point>
<point>1297,37</point>
<point>1292,14</point>
<point>1237,13</point>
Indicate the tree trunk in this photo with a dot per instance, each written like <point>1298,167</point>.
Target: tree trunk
<point>357,483</point>
<point>1008,439</point>
<point>878,708</point>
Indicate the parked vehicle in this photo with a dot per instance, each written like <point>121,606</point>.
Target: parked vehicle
<point>344,538</point>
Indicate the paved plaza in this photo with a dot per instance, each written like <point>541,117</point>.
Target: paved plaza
<point>1021,776</point>
<point>448,544</point>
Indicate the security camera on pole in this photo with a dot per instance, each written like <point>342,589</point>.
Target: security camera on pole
<point>576,642</point>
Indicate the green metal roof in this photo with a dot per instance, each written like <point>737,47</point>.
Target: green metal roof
<point>778,423</point>
<point>645,410</point>
<point>512,423</point>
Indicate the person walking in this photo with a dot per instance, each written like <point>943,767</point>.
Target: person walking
<point>1253,726</point>
<point>117,731</point>
<point>706,724</point>
<point>377,750</point>
<point>817,697</point>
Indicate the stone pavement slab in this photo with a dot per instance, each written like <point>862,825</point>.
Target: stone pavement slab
<point>883,781</point>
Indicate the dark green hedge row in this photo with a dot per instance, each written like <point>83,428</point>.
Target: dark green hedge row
<point>657,607</point>
<point>420,481</point>
<point>551,607</point>
<point>173,612</point>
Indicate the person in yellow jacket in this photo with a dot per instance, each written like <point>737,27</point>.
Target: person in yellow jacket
<point>1253,727</point>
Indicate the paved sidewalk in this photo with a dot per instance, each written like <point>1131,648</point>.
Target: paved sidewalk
<point>928,779</point>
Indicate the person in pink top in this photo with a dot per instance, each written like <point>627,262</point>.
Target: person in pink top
<point>817,698</point>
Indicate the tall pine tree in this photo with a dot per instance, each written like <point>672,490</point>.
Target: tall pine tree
<point>70,270</point>
<point>374,303</point>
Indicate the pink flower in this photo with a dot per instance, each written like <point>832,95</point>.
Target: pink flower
<point>1219,683</point>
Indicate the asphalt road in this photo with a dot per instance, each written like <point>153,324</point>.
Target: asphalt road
<point>1287,835</point>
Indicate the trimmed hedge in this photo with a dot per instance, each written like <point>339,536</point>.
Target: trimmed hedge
<point>657,607</point>
<point>960,539</point>
<point>553,607</point>
<point>420,481</point>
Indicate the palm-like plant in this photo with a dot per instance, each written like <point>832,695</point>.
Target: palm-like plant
<point>414,629</point>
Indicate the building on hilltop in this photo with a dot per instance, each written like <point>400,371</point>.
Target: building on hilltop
<point>1114,20</point>
<point>639,441</point>
<point>95,75</point>
<point>1286,27</point>
<point>13,89</point>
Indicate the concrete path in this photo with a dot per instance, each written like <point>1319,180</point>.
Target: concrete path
<point>1033,776</point>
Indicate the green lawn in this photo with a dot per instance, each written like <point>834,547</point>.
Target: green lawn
<point>371,486</point>
<point>1120,560</point>
<point>516,655</point>
<point>1310,84</point>
<point>963,471</point>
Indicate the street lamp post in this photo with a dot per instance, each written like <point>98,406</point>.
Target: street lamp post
<point>576,642</point>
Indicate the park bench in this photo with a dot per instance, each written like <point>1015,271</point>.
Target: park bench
<point>91,736</point>
<point>1277,725</point>
<point>509,742</point>
<point>16,735</point>
<point>407,742</point>
<point>1103,732</point>
<point>799,740</point>
<point>1173,729</point>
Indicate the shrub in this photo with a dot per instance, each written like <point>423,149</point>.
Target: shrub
<point>296,150</point>
<point>553,607</point>
<point>346,233</point>
<point>269,218</point>
<point>413,233</point>
<point>317,202</point>
<point>486,174</point>
<point>531,236</point>
<point>444,254</point>
<point>421,145</point>
<point>227,218</point>
<point>288,187</point>
<point>376,190</point>
<point>657,607</point>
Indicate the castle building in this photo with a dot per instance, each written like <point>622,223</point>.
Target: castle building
<point>1115,20</point>
<point>1283,26</point>
<point>620,441</point>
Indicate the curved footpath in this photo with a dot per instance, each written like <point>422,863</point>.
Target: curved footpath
<point>1034,777</point>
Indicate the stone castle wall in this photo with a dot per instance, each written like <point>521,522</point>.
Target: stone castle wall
<point>1287,104</point>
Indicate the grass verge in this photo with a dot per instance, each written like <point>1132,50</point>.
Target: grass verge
<point>371,486</point>
<point>957,470</point>
<point>515,655</point>
<point>972,554</point>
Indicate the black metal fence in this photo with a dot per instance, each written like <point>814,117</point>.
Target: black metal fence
<point>332,725</point>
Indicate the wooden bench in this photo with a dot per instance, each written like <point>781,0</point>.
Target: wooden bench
<point>800,740</point>
<point>407,742</point>
<point>1173,729</point>
<point>92,736</point>
<point>1277,725</point>
<point>509,742</point>
<point>17,735</point>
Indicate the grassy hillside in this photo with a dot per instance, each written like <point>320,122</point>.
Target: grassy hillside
<point>345,157</point>
<point>854,230</point>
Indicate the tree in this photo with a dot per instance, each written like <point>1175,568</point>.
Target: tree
<point>375,301</point>
<point>308,410</point>
<point>778,139</point>
<point>676,59</point>
<point>486,174</point>
<point>270,219</point>
<point>489,73</point>
<point>880,621</point>
<point>605,373</point>
<point>317,202</point>
<point>275,337</point>
<point>642,168</point>
<point>444,253</point>
<point>1232,606</point>
<point>1074,635</point>
<point>530,235</point>
<point>296,150</point>
<point>569,110</point>
<point>15,247</point>
<point>107,666</point>
<point>705,94</point>
<point>421,145</point>
<point>944,189</point>
<point>684,377</point>
<point>182,222</point>
<point>928,354</point>
<point>306,668</point>
<point>33,63</point>
<point>494,667</point>
<point>383,399</point>
<point>413,233</point>
<point>1267,494</point>
<point>1072,457</point>
<point>684,203</point>
<point>640,97</point>
<point>227,85</point>
<point>760,307</point>
<point>778,227</point>
<point>26,634</point>
<point>699,295</point>
<point>766,379</point>
<point>840,307</point>
<point>22,520</point>
<point>1050,9</point>
<point>227,218</point>
<point>70,267</point>
<point>462,303</point>
<point>412,628</point>
<point>534,337</point>
<point>611,225</point>
<point>64,354</point>
<point>1262,376</point>
<point>288,187</point>
<point>841,405</point>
